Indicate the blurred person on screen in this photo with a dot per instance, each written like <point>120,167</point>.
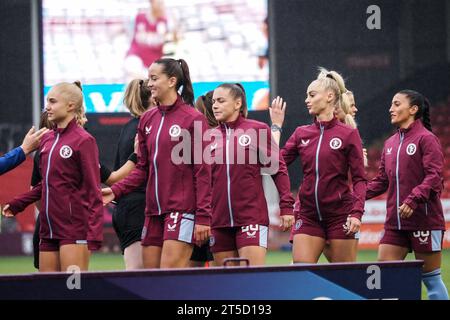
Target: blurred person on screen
<point>150,28</point>
<point>261,97</point>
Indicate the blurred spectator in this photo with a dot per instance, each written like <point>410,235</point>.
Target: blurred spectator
<point>148,39</point>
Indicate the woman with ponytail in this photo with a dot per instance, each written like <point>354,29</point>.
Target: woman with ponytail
<point>128,216</point>
<point>328,150</point>
<point>178,182</point>
<point>346,112</point>
<point>242,151</point>
<point>71,205</point>
<point>411,172</point>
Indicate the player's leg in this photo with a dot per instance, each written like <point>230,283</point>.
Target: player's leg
<point>307,248</point>
<point>176,254</point>
<point>152,241</point>
<point>49,256</point>
<point>394,245</point>
<point>151,256</point>
<point>49,261</point>
<point>251,242</point>
<point>223,246</point>
<point>129,220</point>
<point>308,240</point>
<point>178,240</point>
<point>132,256</point>
<point>343,250</point>
<point>343,246</point>
<point>255,254</point>
<point>71,255</point>
<point>427,246</point>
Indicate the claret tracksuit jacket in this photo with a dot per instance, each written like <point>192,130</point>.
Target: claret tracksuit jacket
<point>70,189</point>
<point>241,151</point>
<point>327,151</point>
<point>411,172</point>
<point>178,178</point>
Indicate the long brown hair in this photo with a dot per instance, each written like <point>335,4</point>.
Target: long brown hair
<point>137,97</point>
<point>204,105</point>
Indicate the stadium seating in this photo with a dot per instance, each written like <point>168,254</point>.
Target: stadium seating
<point>96,40</point>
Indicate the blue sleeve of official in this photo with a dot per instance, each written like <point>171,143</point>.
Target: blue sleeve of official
<point>11,160</point>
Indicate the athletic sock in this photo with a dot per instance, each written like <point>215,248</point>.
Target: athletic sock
<point>435,286</point>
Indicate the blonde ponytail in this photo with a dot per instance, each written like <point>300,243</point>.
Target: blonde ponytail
<point>331,80</point>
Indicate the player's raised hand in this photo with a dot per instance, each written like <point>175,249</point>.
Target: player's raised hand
<point>277,111</point>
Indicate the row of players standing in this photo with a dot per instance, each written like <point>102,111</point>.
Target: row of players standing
<point>191,202</point>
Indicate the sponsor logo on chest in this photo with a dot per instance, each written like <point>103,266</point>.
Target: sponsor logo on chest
<point>388,151</point>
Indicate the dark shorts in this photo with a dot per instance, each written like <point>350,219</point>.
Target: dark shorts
<point>170,226</point>
<point>235,238</point>
<point>36,241</point>
<point>426,241</point>
<point>128,219</point>
<point>94,245</point>
<point>329,229</point>
<point>202,254</point>
<point>54,244</point>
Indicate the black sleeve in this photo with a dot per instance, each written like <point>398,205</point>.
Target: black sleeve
<point>104,173</point>
<point>36,175</point>
<point>133,158</point>
<point>117,160</point>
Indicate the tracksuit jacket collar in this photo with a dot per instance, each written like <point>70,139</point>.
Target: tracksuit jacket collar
<point>416,125</point>
<point>169,108</point>
<point>232,124</point>
<point>72,124</point>
<point>326,124</point>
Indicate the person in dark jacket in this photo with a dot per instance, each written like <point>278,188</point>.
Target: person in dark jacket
<point>202,255</point>
<point>129,216</point>
<point>328,151</point>
<point>70,193</point>
<point>411,172</point>
<point>178,191</point>
<point>241,150</point>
